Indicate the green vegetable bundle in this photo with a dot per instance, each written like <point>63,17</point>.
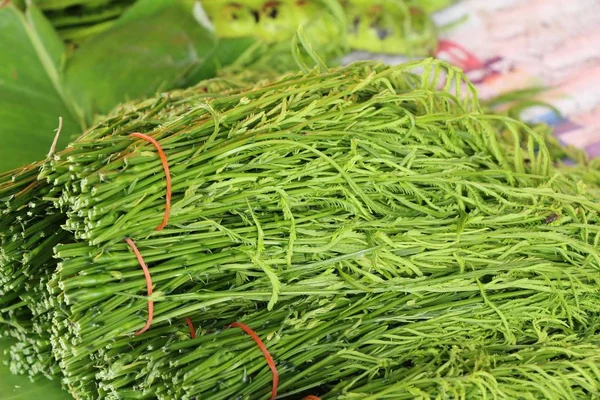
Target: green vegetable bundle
<point>383,236</point>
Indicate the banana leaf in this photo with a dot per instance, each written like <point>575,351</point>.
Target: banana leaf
<point>31,55</point>
<point>155,45</point>
<point>19,387</point>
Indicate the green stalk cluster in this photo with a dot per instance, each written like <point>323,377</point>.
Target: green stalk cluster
<point>29,231</point>
<point>382,235</point>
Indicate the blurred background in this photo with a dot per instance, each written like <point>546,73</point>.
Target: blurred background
<point>539,43</point>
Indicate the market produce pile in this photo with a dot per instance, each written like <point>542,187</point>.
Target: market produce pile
<point>383,236</point>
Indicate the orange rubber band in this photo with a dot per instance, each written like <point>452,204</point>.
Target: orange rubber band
<point>191,326</point>
<point>165,164</point>
<point>311,397</point>
<point>265,352</point>
<point>148,285</point>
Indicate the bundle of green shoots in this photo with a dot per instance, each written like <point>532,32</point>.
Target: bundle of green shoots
<point>384,238</point>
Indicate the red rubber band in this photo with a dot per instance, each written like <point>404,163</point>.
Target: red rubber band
<point>191,326</point>
<point>466,60</point>
<point>148,285</point>
<point>311,397</point>
<point>265,352</point>
<point>165,164</point>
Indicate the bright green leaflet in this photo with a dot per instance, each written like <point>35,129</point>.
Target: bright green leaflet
<point>29,80</point>
<point>19,387</point>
